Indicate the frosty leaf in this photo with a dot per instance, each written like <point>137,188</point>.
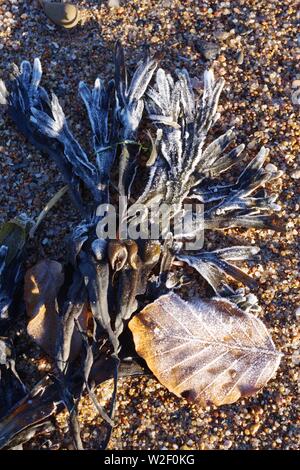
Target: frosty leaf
<point>56,127</point>
<point>29,79</point>
<point>206,351</point>
<point>213,265</point>
<point>130,96</point>
<point>185,124</point>
<point>166,120</point>
<point>227,161</point>
<point>252,220</point>
<point>24,94</point>
<point>98,103</point>
<point>141,79</point>
<point>237,252</point>
<point>187,95</point>
<point>216,148</point>
<point>129,110</point>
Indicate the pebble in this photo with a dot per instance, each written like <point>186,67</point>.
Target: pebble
<point>296,175</point>
<point>227,444</point>
<point>113,3</point>
<point>209,50</point>
<point>271,167</point>
<point>221,35</point>
<point>252,144</point>
<point>254,428</point>
<point>240,57</point>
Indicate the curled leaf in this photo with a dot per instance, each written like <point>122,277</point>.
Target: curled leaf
<point>206,351</point>
<point>42,284</point>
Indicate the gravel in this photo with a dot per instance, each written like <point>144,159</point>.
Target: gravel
<point>258,101</point>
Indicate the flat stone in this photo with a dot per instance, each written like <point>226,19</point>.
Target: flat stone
<point>209,50</point>
<point>240,57</point>
<point>271,167</point>
<point>296,175</point>
<point>221,35</point>
<point>113,3</point>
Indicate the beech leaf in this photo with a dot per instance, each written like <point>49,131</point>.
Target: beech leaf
<point>208,351</point>
<point>42,284</point>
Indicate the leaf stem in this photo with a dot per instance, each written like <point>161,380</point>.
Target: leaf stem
<point>47,208</point>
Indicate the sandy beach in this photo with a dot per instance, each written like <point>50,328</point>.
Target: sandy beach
<point>255,46</point>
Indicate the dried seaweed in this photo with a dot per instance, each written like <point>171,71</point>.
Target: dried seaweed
<point>111,280</point>
<point>13,236</point>
<point>12,388</point>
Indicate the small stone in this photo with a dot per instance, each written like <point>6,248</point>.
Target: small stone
<point>221,35</point>
<point>254,428</point>
<point>296,175</point>
<point>155,39</point>
<point>113,3</point>
<point>209,50</point>
<point>252,144</point>
<point>296,84</point>
<point>227,444</point>
<point>272,168</point>
<point>240,57</point>
<point>273,77</point>
<point>296,360</point>
<point>255,442</point>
